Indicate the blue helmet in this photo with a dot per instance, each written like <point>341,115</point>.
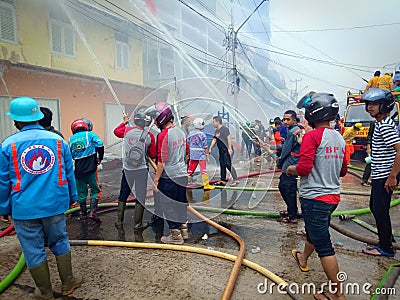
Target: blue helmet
<point>384,97</point>
<point>89,123</point>
<point>25,109</point>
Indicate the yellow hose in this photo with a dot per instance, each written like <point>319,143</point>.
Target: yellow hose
<point>183,248</point>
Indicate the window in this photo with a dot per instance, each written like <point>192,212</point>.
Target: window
<point>121,51</point>
<point>62,35</point>
<point>8,23</point>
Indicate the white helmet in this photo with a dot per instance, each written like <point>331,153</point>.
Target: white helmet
<point>198,123</point>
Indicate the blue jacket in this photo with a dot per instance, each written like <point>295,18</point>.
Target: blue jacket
<point>290,150</point>
<point>283,131</point>
<point>87,149</point>
<point>36,174</point>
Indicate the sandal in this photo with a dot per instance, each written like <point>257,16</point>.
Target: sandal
<point>287,220</point>
<point>294,254</point>
<point>365,184</point>
<point>283,213</point>
<point>301,232</point>
<point>220,183</point>
<point>381,252</point>
<point>235,183</point>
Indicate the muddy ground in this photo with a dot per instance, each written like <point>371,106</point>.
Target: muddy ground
<point>125,273</point>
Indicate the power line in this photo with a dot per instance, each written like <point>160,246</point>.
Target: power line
<point>301,73</point>
<point>299,56</point>
<point>205,61</point>
<point>325,54</point>
<point>216,25</point>
<point>259,77</point>
<point>336,29</point>
<point>211,12</point>
<point>150,32</point>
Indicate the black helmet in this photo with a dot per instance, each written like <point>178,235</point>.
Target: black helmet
<point>140,119</point>
<point>384,97</point>
<point>319,107</point>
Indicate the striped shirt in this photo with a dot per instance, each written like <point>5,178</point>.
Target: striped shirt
<point>383,154</point>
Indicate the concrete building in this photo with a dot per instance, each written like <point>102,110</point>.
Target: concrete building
<point>42,56</point>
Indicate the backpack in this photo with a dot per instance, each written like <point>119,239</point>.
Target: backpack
<point>136,153</point>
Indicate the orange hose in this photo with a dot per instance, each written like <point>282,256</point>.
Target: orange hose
<point>242,247</point>
<point>239,260</point>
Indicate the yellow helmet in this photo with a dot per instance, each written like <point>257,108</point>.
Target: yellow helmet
<point>358,125</point>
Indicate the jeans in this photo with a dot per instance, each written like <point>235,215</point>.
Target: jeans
<point>225,162</point>
<point>379,204</point>
<point>139,179</point>
<point>288,190</point>
<point>172,193</point>
<point>317,215</point>
<point>33,233</point>
<point>125,189</point>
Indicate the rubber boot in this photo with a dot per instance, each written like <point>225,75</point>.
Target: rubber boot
<point>206,182</point>
<point>93,210</point>
<point>83,207</point>
<point>41,276</point>
<point>69,282</point>
<point>157,224</point>
<point>119,223</point>
<point>139,225</point>
<point>174,238</point>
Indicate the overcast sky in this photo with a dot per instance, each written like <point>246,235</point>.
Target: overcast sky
<point>373,47</point>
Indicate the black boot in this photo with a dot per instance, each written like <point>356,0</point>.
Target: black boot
<point>139,225</point>
<point>157,224</point>
<point>93,210</point>
<point>83,216</point>
<point>119,223</point>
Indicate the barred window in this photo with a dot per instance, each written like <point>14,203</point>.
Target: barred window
<point>62,35</point>
<point>121,51</point>
<point>8,22</point>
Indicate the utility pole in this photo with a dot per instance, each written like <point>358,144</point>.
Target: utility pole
<point>295,94</point>
<point>233,40</point>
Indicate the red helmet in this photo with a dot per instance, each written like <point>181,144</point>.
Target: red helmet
<point>164,114</point>
<point>79,124</point>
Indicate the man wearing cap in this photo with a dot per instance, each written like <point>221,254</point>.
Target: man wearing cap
<point>36,185</point>
<point>349,135</point>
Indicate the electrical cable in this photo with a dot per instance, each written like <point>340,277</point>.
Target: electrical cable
<point>215,24</point>
<point>334,29</point>
<point>299,56</point>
